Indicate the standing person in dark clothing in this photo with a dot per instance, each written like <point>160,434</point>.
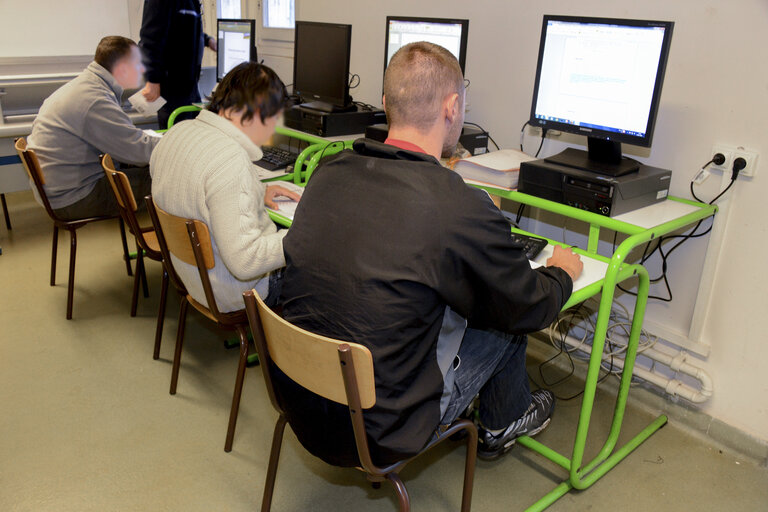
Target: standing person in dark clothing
<point>425,275</point>
<point>173,41</point>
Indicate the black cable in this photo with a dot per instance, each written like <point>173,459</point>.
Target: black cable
<point>543,136</point>
<point>485,132</point>
<point>522,132</point>
<point>352,76</point>
<point>520,211</point>
<point>562,350</point>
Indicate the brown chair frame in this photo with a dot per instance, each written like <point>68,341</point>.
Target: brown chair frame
<point>32,166</point>
<point>311,361</point>
<point>5,212</point>
<point>146,242</point>
<point>190,241</point>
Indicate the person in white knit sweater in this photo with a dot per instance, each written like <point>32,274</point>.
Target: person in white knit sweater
<point>202,169</point>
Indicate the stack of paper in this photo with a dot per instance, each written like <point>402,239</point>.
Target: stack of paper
<point>498,168</point>
<point>285,206</point>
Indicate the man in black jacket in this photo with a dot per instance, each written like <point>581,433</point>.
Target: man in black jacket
<point>172,40</point>
<point>391,250</point>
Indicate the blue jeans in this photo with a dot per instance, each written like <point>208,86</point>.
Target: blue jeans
<point>492,364</point>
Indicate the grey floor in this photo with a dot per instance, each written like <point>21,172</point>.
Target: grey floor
<point>87,424</point>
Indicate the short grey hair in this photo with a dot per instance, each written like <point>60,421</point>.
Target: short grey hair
<point>419,76</point>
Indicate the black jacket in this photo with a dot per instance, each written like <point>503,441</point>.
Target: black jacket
<point>382,241</point>
<point>172,41</point>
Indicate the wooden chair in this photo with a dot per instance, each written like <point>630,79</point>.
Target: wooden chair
<point>146,242</point>
<point>190,241</point>
<point>35,172</point>
<point>339,371</point>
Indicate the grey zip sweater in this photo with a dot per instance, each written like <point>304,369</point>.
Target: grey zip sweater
<point>78,122</point>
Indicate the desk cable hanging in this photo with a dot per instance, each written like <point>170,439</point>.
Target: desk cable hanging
<point>738,165</point>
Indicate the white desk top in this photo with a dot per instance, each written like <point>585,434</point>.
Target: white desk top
<point>594,270</point>
<point>656,214</point>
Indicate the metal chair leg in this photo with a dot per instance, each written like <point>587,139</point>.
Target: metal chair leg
<point>402,492</point>
<point>126,255</point>
<point>179,343</point>
<point>161,315</point>
<point>238,387</point>
<point>54,252</point>
<point>469,470</point>
<point>274,458</point>
<point>136,279</point>
<point>71,283</point>
<point>5,212</point>
<point>144,285</point>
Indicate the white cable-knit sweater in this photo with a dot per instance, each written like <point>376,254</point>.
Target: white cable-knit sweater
<point>202,169</point>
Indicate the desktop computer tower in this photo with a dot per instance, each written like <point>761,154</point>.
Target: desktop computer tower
<point>330,124</point>
<point>473,139</point>
<point>597,193</point>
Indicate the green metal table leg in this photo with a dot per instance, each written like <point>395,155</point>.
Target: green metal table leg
<point>594,238</point>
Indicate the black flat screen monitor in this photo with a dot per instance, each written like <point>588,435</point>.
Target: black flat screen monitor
<point>236,44</point>
<point>451,34</point>
<point>321,65</point>
<point>602,78</point>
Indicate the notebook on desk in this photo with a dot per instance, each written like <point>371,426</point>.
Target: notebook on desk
<point>287,207</point>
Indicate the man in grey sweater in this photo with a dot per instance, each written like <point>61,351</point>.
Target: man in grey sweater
<point>83,119</point>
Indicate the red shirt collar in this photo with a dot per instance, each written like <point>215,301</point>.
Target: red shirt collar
<point>404,144</point>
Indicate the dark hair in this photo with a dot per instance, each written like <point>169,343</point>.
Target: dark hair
<point>111,49</point>
<point>252,87</point>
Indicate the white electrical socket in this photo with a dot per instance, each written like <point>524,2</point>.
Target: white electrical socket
<point>731,153</point>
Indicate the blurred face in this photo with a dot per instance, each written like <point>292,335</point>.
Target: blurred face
<point>259,132</point>
<point>129,71</point>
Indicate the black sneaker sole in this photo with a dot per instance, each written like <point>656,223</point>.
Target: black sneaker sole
<point>489,455</point>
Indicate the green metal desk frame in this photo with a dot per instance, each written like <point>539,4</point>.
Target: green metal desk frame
<point>581,474</point>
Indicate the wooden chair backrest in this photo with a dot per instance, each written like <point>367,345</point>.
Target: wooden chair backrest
<point>29,161</point>
<point>120,184</point>
<point>311,360</point>
<point>177,238</point>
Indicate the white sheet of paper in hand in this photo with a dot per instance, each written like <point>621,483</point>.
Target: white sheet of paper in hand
<point>140,103</point>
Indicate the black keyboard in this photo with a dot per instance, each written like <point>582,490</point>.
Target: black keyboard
<point>530,245</point>
<point>275,159</point>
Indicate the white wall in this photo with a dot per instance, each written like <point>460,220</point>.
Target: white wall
<point>716,90</point>
<point>55,27</point>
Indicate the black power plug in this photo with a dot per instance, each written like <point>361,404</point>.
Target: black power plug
<point>718,159</point>
<point>738,164</point>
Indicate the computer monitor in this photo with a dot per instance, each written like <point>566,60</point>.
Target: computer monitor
<point>237,44</point>
<point>601,78</point>
<point>451,34</point>
<point>321,65</point>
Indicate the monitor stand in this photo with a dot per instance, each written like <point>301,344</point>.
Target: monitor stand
<point>602,157</point>
<point>323,106</point>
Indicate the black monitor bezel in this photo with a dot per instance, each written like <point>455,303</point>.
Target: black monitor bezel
<point>334,101</point>
<point>253,54</point>
<point>645,140</point>
<point>448,21</point>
